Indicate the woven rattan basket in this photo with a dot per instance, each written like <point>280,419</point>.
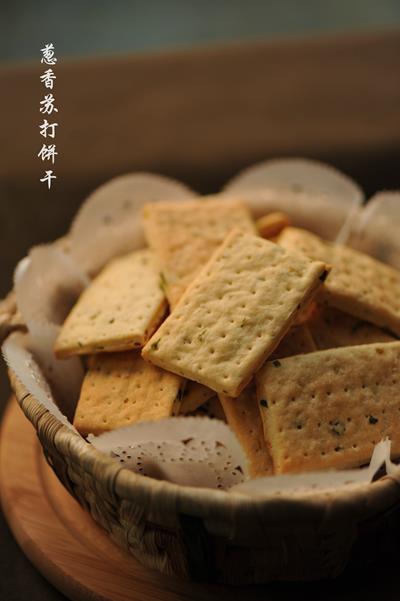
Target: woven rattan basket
<point>211,535</point>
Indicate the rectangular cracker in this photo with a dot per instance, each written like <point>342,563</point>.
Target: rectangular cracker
<point>243,417</point>
<point>233,316</point>
<point>271,224</point>
<point>359,284</point>
<point>194,396</point>
<point>329,408</point>
<point>119,311</point>
<point>184,235</point>
<point>296,342</point>
<point>331,328</point>
<point>121,389</point>
<point>211,408</point>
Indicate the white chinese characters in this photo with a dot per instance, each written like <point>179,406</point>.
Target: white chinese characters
<point>48,78</point>
<point>48,129</point>
<point>48,177</point>
<point>48,152</point>
<point>48,55</point>
<point>47,105</point>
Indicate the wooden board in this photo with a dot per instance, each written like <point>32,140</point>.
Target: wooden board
<point>64,543</point>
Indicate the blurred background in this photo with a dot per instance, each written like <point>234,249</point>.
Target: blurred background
<point>99,27</point>
<point>194,90</point>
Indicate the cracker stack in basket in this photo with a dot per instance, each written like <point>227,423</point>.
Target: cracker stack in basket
<point>235,313</point>
<point>297,339</point>
<point>183,236</point>
<point>117,313</point>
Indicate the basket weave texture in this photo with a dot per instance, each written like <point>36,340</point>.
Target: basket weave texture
<point>210,535</point>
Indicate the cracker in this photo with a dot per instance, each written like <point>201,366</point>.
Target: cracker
<point>211,408</point>
<point>306,314</point>
<point>331,328</point>
<point>243,417</point>
<point>296,342</point>
<point>119,311</point>
<point>233,316</point>
<point>329,408</point>
<point>184,235</point>
<point>214,408</point>
<point>121,389</point>
<point>359,284</point>
<point>272,224</point>
<point>194,395</point>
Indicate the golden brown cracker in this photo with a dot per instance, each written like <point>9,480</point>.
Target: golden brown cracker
<point>297,341</point>
<point>328,409</point>
<point>211,408</point>
<point>233,316</point>
<point>184,235</point>
<point>118,311</point>
<point>243,417</point>
<point>270,225</point>
<point>194,396</point>
<point>121,389</point>
<point>358,284</point>
<point>331,328</point>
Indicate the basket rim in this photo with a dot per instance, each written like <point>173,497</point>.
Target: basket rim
<point>379,495</point>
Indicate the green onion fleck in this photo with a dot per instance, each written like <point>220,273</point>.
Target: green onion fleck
<point>154,345</point>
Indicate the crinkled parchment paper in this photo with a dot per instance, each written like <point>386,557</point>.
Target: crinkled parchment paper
<point>377,229</point>
<point>19,358</point>
<point>314,195</point>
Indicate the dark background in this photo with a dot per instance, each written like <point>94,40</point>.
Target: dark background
<point>138,88</point>
<point>99,27</point>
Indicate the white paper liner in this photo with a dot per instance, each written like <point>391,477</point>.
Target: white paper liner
<point>314,195</point>
<point>165,449</point>
<point>392,469</point>
<point>65,376</point>
<point>195,463</point>
<point>376,229</point>
<point>186,450</point>
<point>18,357</point>
<point>47,285</point>
<point>108,223</point>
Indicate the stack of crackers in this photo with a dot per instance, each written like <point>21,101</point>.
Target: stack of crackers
<point>290,339</point>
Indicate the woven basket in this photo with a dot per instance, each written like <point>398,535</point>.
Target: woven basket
<point>211,535</point>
